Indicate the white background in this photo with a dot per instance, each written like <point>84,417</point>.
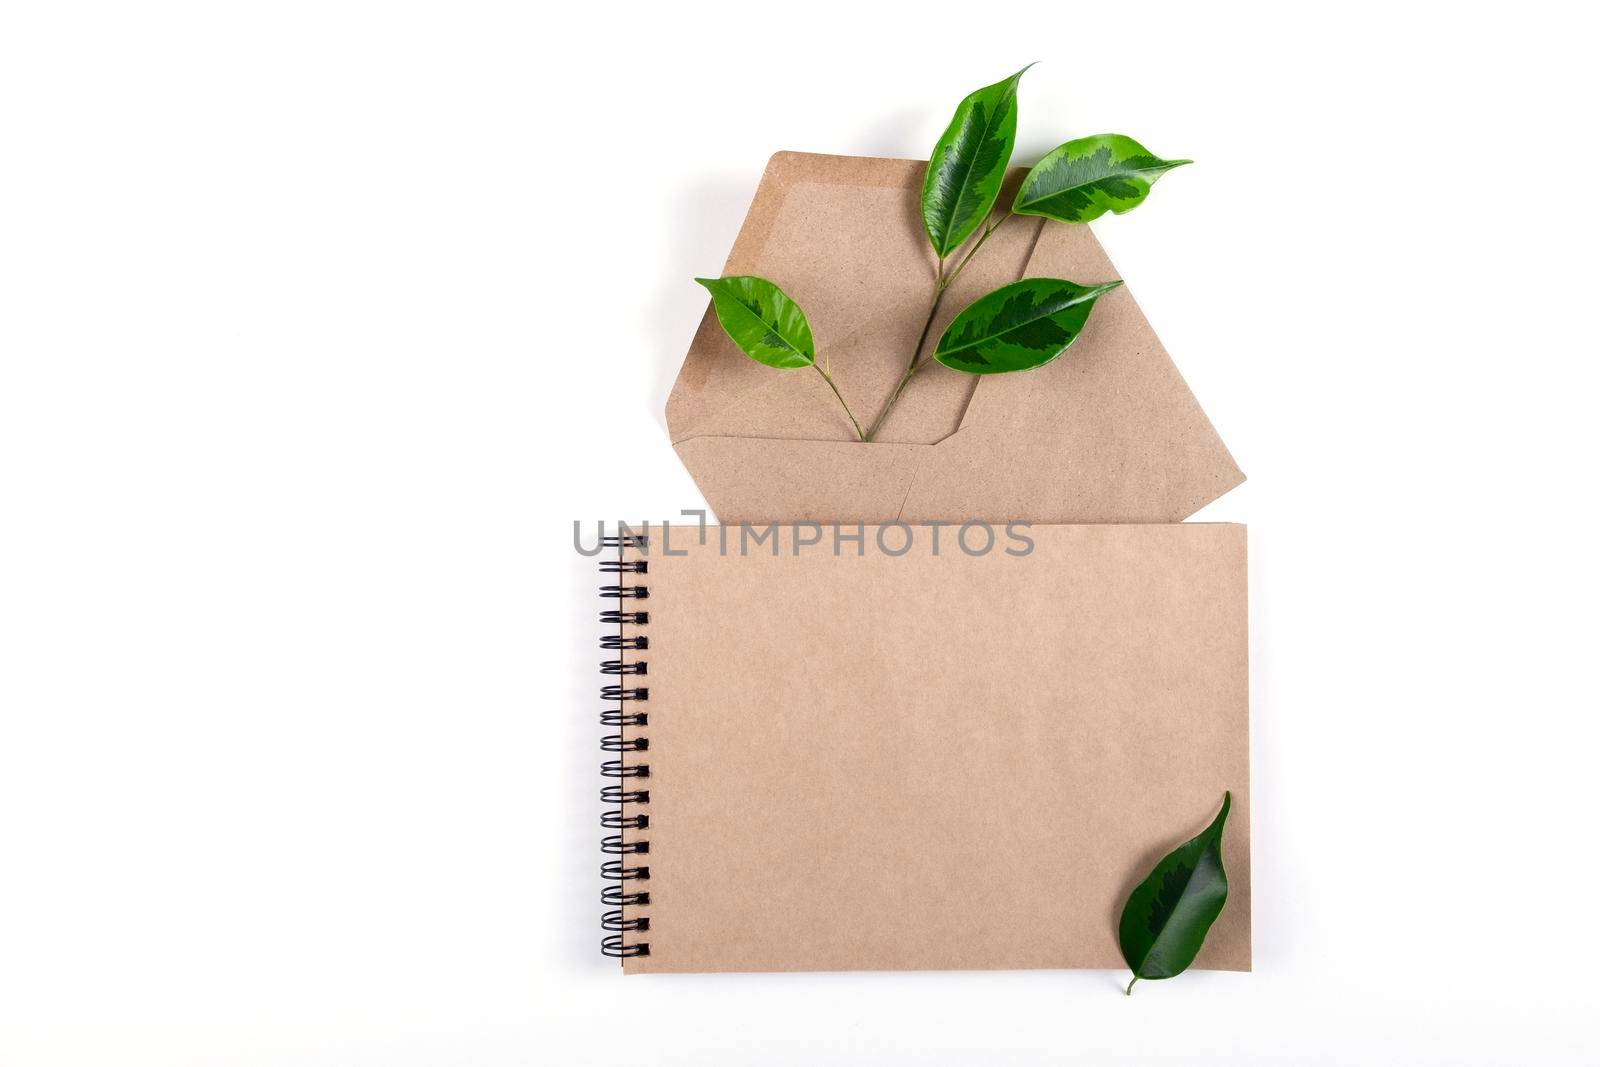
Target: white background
<point>321,323</point>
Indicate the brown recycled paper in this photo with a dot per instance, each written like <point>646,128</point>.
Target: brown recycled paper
<point>951,761</point>
<point>1108,432</point>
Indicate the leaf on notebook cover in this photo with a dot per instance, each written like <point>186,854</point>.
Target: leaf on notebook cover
<point>1083,179</point>
<point>762,320</point>
<point>1166,918</point>
<point>1018,326</point>
<point>969,164</point>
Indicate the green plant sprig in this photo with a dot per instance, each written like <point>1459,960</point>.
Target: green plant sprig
<point>1016,327</point>
<point>942,282</point>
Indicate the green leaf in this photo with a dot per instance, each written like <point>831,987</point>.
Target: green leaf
<point>1083,179</point>
<point>1018,326</point>
<point>1165,921</point>
<point>762,320</point>
<point>969,163</point>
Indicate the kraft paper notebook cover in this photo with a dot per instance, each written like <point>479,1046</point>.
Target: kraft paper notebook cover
<point>1108,433</point>
<point>918,761</point>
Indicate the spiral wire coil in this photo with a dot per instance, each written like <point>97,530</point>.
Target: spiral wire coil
<point>627,794</point>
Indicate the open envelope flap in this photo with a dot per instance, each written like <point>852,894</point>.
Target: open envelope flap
<point>997,475</point>
<point>1115,383</point>
<point>759,479</point>
<point>1002,474</point>
<point>1109,432</point>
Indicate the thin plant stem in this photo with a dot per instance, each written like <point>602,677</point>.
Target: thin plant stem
<point>942,282</point>
<point>825,377</point>
<point>984,236</point>
<point>912,368</point>
<point>1129,991</point>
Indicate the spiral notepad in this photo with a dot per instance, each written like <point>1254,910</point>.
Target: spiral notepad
<point>915,747</point>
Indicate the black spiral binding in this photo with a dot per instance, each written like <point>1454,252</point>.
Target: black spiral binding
<point>628,794</point>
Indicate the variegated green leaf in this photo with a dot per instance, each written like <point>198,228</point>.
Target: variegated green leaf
<point>1018,326</point>
<point>1168,914</point>
<point>1083,179</point>
<point>969,163</point>
<point>762,320</point>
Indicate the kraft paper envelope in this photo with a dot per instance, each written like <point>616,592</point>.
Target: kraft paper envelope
<point>930,760</point>
<point>1108,432</point>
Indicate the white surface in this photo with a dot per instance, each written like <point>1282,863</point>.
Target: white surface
<point>322,322</point>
